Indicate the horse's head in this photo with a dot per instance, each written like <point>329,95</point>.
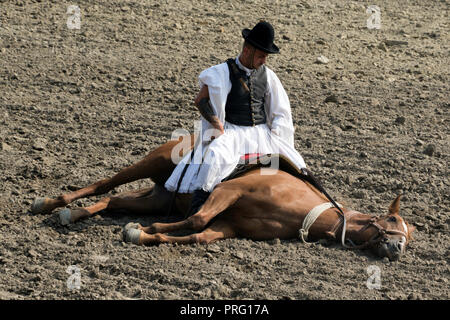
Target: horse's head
<point>394,233</point>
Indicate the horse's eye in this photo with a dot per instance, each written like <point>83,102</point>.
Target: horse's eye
<point>392,219</point>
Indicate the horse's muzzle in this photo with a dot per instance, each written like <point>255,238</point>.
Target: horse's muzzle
<point>391,248</point>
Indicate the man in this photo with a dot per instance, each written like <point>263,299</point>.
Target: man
<point>245,110</point>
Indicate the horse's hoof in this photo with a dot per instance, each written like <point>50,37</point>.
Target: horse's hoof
<point>65,216</point>
<point>132,225</point>
<point>38,206</point>
<point>132,235</point>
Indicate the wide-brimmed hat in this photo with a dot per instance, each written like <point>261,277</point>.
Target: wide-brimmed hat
<point>261,37</point>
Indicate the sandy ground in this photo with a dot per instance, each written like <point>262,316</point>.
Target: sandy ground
<point>77,105</point>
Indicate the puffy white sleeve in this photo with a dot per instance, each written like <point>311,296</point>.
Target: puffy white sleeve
<point>278,109</point>
<point>217,78</point>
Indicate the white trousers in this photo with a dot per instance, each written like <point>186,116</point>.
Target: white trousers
<point>214,161</point>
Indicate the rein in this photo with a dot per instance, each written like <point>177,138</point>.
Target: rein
<point>180,179</point>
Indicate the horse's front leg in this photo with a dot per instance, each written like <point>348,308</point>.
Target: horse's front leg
<point>222,197</point>
<point>218,230</point>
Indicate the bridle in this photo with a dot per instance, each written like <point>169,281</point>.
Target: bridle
<point>378,237</point>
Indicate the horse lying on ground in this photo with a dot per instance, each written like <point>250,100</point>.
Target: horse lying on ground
<point>260,204</point>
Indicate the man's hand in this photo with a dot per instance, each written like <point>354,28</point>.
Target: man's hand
<point>217,126</point>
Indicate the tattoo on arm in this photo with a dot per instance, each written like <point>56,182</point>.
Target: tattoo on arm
<point>206,110</point>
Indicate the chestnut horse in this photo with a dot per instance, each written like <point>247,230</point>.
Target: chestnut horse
<point>260,204</point>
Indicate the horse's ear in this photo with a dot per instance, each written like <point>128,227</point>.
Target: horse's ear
<point>395,205</point>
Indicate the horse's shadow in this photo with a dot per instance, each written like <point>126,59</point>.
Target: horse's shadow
<point>107,217</point>
<point>367,253</point>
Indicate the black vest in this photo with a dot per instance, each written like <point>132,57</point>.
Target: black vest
<point>246,108</point>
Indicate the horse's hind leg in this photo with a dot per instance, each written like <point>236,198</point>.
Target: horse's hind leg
<point>157,165</point>
<point>72,215</point>
<point>144,201</point>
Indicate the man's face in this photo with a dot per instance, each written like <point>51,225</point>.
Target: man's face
<point>259,57</point>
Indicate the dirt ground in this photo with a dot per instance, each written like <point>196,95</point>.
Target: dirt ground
<point>77,105</point>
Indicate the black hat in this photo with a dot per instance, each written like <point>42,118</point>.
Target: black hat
<point>261,37</point>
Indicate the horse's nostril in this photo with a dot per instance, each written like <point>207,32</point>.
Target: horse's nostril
<point>395,246</point>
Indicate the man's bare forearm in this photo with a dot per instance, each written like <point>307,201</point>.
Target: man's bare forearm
<point>206,110</point>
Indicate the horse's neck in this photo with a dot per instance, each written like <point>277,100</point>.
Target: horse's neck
<point>356,227</point>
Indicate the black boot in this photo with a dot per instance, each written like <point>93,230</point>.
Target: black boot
<point>198,199</point>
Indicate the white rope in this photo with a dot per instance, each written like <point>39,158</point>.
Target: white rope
<point>311,217</point>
